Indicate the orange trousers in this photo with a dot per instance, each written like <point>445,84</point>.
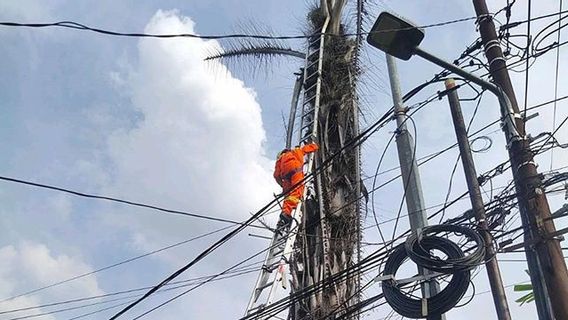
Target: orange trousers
<point>293,198</point>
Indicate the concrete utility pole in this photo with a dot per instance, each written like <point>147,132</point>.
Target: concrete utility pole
<point>533,204</point>
<point>410,174</point>
<point>493,272</point>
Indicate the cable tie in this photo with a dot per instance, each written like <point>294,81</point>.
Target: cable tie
<point>496,59</point>
<point>526,163</point>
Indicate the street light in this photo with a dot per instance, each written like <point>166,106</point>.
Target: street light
<point>395,36</point>
<point>400,38</point>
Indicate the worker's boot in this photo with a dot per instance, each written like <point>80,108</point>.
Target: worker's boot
<point>283,223</point>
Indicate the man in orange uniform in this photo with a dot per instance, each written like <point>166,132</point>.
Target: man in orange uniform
<point>288,172</point>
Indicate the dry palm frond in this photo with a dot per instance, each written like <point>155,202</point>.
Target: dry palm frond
<point>258,53</point>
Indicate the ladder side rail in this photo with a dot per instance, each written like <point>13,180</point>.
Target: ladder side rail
<point>262,278</point>
<point>323,221</point>
<point>293,109</point>
<point>294,230</point>
<point>298,212</point>
<point>305,75</point>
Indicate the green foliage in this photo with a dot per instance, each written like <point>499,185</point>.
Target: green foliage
<point>527,298</point>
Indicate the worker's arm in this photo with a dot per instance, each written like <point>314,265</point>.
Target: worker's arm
<point>310,147</point>
<point>277,175</point>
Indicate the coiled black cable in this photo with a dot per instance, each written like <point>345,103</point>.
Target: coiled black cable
<point>440,303</point>
<point>422,256</point>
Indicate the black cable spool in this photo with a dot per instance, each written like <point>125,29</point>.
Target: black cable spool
<point>420,254</point>
<point>440,303</point>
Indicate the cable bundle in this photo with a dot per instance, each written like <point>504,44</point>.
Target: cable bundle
<point>421,255</point>
<point>440,303</point>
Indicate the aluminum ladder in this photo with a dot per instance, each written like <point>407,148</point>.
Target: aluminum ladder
<point>272,277</point>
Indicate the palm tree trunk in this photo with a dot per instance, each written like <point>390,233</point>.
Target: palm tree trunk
<point>340,182</point>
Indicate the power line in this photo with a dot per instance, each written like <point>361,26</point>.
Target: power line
<point>132,203</point>
<point>128,202</point>
<point>190,282</point>
<point>79,26</point>
<point>114,265</point>
<point>556,79</point>
<point>349,144</point>
<point>278,306</point>
<point>59,189</point>
<point>83,27</point>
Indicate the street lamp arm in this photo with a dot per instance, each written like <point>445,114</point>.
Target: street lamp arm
<point>457,70</point>
<point>506,107</point>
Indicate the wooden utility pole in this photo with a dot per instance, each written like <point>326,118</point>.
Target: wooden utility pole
<point>491,265</point>
<point>533,204</point>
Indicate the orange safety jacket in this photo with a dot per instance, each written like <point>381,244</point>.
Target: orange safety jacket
<point>290,163</point>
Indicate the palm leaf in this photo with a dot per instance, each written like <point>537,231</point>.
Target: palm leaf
<point>527,298</point>
<point>257,52</point>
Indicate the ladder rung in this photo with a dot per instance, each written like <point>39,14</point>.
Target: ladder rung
<point>311,75</point>
<point>277,253</point>
<point>312,87</point>
<point>313,53</point>
<point>315,41</point>
<point>307,125</point>
<point>308,113</point>
<point>272,267</point>
<point>311,64</point>
<point>264,286</point>
<point>309,99</point>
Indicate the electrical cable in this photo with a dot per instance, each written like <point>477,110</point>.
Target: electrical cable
<point>236,272</point>
<point>83,27</point>
<point>280,303</point>
<point>54,284</point>
<point>386,245</point>
<point>255,216</point>
<point>410,173</point>
<point>152,207</point>
<point>192,283</point>
<point>527,62</point>
<point>556,81</point>
<point>552,134</point>
<point>374,183</point>
<point>518,23</point>
<point>420,254</point>
<point>113,199</point>
<point>171,286</point>
<point>441,302</point>
<point>361,137</point>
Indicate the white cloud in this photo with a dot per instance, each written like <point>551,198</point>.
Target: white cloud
<point>32,265</point>
<point>24,9</point>
<point>199,143</point>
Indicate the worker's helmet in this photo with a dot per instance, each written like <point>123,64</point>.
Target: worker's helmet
<point>281,153</point>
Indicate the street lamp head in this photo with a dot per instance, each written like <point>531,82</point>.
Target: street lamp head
<point>395,36</point>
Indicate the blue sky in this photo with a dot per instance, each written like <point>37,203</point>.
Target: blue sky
<point>148,120</point>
